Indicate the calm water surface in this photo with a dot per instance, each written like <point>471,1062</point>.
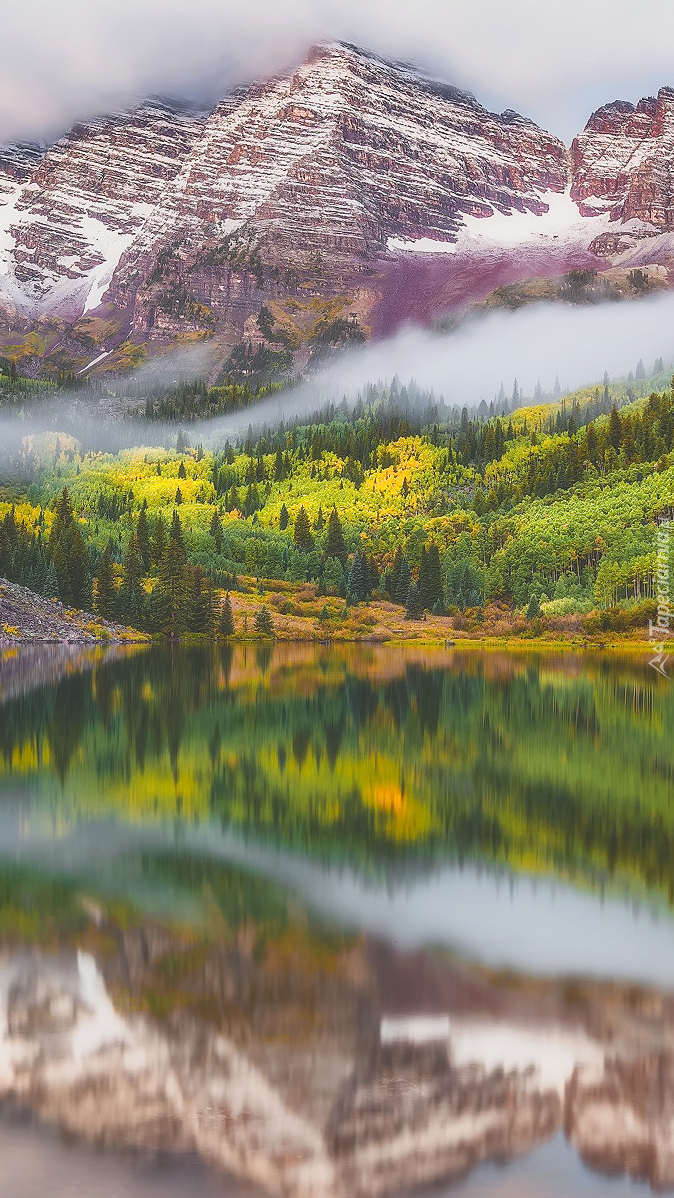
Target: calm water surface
<point>221,870</point>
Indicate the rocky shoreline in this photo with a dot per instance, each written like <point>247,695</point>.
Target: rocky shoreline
<point>29,619</point>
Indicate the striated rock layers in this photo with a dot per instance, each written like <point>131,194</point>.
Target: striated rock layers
<point>342,198</point>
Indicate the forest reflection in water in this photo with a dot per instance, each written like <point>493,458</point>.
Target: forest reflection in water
<point>561,765</point>
<point>225,872</point>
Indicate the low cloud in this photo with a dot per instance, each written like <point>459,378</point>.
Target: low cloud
<point>555,63</point>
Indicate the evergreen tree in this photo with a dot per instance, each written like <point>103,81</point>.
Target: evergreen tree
<point>392,575</point>
<point>105,586</point>
<point>50,587</point>
<point>263,622</point>
<point>226,627</point>
<point>302,537</point>
<point>404,580</point>
<point>143,536</point>
<point>181,470</point>
<point>430,585</point>
<point>176,533</point>
<point>131,593</point>
<point>371,575</point>
<point>422,584</point>
<point>413,607</point>
<point>319,521</point>
<point>284,517</point>
<point>171,605</point>
<point>200,589</point>
<point>158,542</point>
<point>178,497</point>
<point>355,588</point>
<point>534,608</point>
<point>215,530</point>
<point>334,538</point>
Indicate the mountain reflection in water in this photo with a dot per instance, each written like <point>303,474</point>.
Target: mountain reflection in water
<point>222,871</point>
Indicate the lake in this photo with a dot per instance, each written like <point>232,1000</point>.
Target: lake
<point>334,921</point>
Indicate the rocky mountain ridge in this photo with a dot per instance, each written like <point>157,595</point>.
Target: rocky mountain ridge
<point>342,198</point>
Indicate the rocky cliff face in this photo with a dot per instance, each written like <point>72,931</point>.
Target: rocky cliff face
<point>622,162</point>
<point>84,203</point>
<point>343,197</point>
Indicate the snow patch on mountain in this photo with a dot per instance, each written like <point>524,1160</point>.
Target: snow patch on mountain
<point>563,224</point>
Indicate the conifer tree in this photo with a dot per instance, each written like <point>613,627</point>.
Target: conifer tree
<point>105,586</point>
<point>215,530</point>
<point>226,626</point>
<point>334,539</point>
<point>356,589</point>
<point>181,470</point>
<point>413,608</point>
<point>302,537</point>
<point>178,497</point>
<point>404,580</point>
<point>284,517</point>
<point>158,542</point>
<point>176,533</point>
<point>50,587</point>
<point>263,622</point>
<point>143,536</point>
<point>131,592</point>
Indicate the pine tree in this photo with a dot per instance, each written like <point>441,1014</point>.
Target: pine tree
<point>131,592</point>
<point>319,521</point>
<point>200,588</point>
<point>422,584</point>
<point>105,586</point>
<point>284,517</point>
<point>176,533</point>
<point>143,536</point>
<point>226,626</point>
<point>178,497</point>
<point>355,588</point>
<point>371,575</point>
<point>431,589</point>
<point>181,470</point>
<point>413,607</point>
<point>263,622</point>
<point>215,530</point>
<point>334,538</point>
<point>392,575</point>
<point>172,600</point>
<point>302,537</point>
<point>534,608</point>
<point>404,580</point>
<point>50,587</point>
<point>158,542</point>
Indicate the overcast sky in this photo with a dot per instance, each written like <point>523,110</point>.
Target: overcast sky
<point>554,60</point>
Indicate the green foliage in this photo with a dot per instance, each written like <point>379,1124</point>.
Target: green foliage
<point>263,622</point>
<point>226,626</point>
<point>302,536</point>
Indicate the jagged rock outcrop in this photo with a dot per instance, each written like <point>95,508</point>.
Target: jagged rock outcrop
<point>622,162</point>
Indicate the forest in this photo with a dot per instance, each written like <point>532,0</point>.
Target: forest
<point>544,512</point>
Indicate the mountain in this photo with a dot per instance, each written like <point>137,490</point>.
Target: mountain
<point>321,207</point>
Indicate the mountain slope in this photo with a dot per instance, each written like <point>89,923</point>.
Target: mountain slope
<point>340,199</point>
